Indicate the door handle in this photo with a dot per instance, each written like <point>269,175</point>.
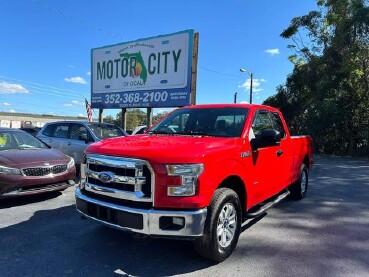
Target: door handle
<point>279,153</point>
<point>69,143</point>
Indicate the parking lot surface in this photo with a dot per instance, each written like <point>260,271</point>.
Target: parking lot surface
<point>326,234</point>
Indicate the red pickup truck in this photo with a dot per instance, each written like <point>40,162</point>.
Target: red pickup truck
<point>197,174</point>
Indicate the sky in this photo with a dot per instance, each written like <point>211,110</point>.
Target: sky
<point>45,47</point>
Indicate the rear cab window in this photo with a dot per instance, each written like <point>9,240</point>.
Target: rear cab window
<point>277,123</point>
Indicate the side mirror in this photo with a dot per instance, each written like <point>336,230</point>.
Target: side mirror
<point>268,137</point>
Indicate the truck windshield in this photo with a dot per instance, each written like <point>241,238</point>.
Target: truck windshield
<point>216,122</point>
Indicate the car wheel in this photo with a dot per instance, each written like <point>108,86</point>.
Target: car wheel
<point>222,226</point>
<point>299,188</point>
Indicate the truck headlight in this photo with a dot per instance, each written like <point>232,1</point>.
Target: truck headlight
<point>188,174</point>
<point>10,170</point>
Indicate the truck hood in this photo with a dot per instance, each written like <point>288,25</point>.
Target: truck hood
<point>162,148</point>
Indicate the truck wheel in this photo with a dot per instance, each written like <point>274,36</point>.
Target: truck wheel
<point>299,188</point>
<point>222,226</point>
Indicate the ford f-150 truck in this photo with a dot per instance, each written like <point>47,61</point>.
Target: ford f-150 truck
<point>197,174</point>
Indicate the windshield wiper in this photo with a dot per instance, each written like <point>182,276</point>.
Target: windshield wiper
<point>28,147</point>
<point>159,132</point>
<point>194,133</point>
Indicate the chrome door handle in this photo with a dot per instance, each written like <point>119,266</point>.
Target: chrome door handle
<point>279,153</point>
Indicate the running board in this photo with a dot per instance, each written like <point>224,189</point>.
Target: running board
<point>268,205</point>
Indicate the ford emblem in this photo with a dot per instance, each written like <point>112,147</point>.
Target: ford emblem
<point>106,177</point>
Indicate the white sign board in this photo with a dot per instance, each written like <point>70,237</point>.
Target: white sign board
<point>153,72</point>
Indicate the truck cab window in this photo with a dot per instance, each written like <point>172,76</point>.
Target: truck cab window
<point>261,122</point>
<point>277,124</point>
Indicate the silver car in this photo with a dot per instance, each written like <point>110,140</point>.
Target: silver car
<point>73,137</point>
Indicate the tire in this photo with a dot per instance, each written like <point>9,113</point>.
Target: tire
<point>224,218</point>
<point>299,188</point>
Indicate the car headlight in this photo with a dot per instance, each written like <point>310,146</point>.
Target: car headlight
<point>10,170</point>
<point>71,163</point>
<point>188,173</point>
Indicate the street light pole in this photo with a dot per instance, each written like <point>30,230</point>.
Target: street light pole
<point>235,97</point>
<point>251,79</point>
<point>251,76</point>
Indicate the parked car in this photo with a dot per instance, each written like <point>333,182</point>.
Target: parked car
<point>72,137</point>
<point>29,166</point>
<point>31,130</point>
<point>139,130</point>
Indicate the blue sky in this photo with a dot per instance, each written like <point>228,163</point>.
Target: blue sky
<point>45,46</point>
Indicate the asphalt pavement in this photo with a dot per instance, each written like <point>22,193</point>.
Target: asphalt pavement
<point>325,234</point>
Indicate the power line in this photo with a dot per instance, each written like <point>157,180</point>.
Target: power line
<point>80,21</point>
<point>41,85</point>
<point>217,72</point>
<point>43,106</point>
<point>101,30</point>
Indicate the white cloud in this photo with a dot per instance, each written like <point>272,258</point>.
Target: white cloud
<point>78,80</point>
<point>10,88</point>
<point>80,115</point>
<point>255,84</point>
<point>12,111</point>
<point>274,51</point>
<point>6,104</point>
<point>73,103</point>
<point>89,73</point>
<point>244,102</point>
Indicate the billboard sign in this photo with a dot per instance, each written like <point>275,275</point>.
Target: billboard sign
<point>152,72</point>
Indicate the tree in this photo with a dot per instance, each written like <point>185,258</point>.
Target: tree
<point>109,119</point>
<point>327,94</point>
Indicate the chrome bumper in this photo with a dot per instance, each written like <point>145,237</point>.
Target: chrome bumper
<point>194,221</point>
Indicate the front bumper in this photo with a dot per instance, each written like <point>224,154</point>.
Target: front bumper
<point>144,221</point>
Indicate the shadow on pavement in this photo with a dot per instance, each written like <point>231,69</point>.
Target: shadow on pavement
<point>29,199</point>
<point>71,246</point>
<point>326,234</point>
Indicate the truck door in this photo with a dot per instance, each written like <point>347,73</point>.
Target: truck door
<point>265,160</point>
<point>284,153</point>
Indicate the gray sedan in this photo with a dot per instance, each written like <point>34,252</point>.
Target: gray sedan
<point>73,137</point>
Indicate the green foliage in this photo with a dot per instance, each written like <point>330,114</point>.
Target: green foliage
<point>135,117</point>
<point>327,94</point>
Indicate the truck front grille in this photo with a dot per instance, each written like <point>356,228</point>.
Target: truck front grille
<point>119,178</point>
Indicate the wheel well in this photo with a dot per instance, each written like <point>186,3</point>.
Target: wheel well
<point>235,183</point>
<point>306,161</point>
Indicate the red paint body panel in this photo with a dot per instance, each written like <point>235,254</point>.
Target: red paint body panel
<point>262,172</point>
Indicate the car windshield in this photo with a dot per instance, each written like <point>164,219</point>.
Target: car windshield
<point>104,131</point>
<point>10,140</point>
<point>216,122</point>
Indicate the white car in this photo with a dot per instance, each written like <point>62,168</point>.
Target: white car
<point>139,130</point>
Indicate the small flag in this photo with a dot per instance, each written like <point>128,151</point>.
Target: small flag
<point>88,110</point>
